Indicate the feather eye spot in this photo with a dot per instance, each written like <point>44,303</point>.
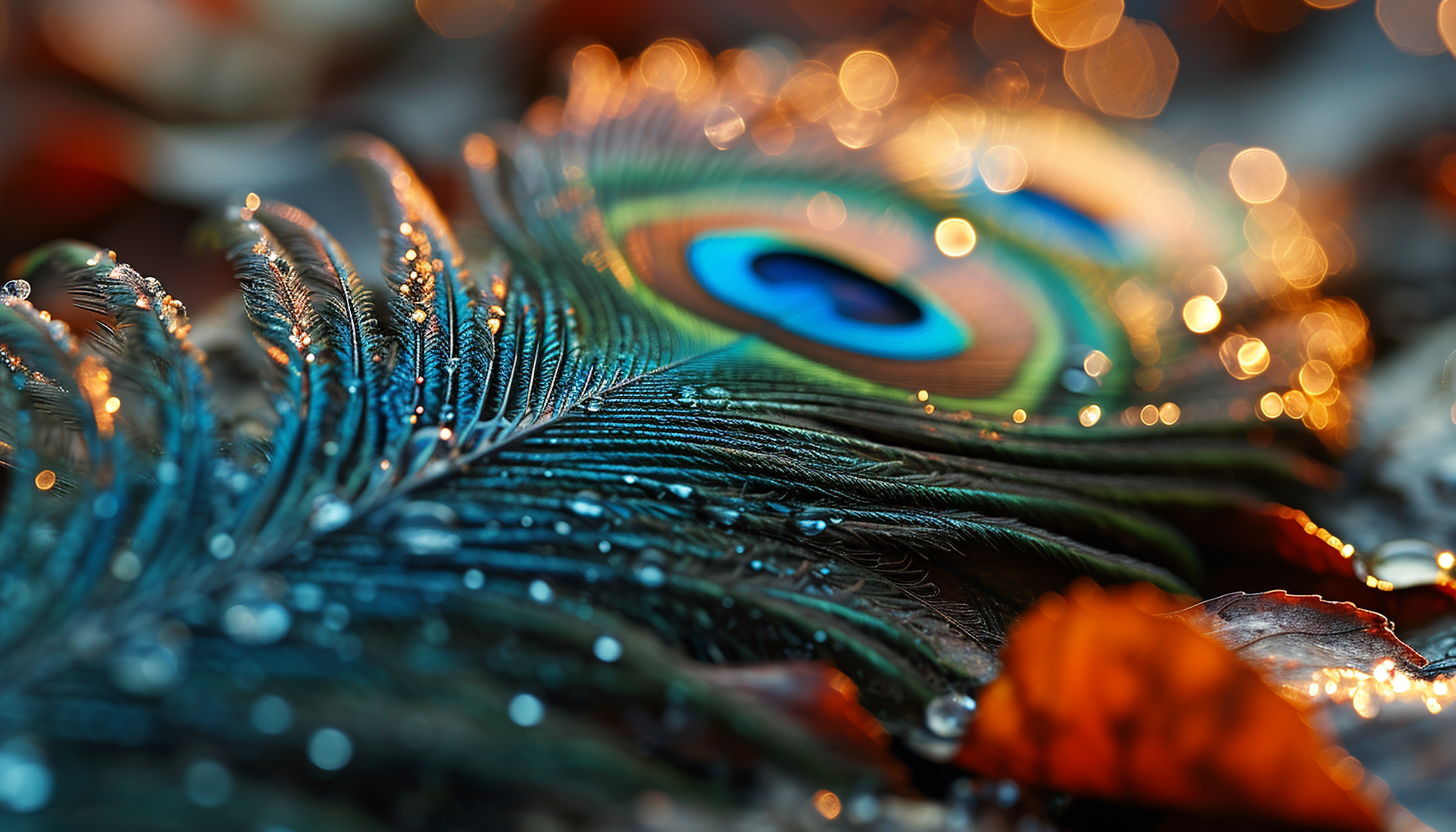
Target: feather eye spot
<point>816,297</point>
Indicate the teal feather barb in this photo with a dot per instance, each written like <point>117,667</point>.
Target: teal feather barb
<point>546,526</point>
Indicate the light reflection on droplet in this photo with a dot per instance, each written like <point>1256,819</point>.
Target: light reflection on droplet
<point>1076,24</point>
<point>827,804</point>
<point>271,714</point>
<point>955,237</point>
<point>1097,364</point>
<point>26,782</point>
<point>1258,175</point>
<point>1316,377</point>
<point>1003,168</point>
<point>723,126</point>
<point>1412,25</point>
<point>1130,74</point>
<point>330,749</point>
<point>526,710</point>
<point>607,649</point>
<point>868,80</point>
<point>1253,357</point>
<point>826,211</point>
<point>1089,415</point>
<point>1271,405</point>
<point>1201,314</point>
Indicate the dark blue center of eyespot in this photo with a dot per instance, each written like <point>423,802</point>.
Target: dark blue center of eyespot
<point>854,296</point>
<point>773,278</point>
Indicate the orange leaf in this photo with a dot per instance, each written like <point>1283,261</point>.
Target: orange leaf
<point>1100,696</point>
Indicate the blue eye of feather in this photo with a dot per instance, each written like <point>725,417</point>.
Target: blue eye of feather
<point>821,299</point>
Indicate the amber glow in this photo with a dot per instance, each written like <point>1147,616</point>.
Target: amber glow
<point>1446,24</point>
<point>463,18</point>
<point>1129,74</point>
<point>1076,24</point>
<point>1097,364</point>
<point>1412,25</point>
<point>1201,314</point>
<point>45,480</point>
<point>1003,168</point>
<point>723,126</point>
<point>826,211</point>
<point>1271,405</point>
<point>1089,415</point>
<point>1257,175</point>
<point>955,237</point>
<point>868,80</point>
<point>827,804</point>
<point>480,152</point>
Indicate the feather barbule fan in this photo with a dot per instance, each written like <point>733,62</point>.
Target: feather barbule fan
<point>724,456</point>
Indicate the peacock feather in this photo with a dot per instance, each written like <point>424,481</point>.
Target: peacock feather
<point>714,418</point>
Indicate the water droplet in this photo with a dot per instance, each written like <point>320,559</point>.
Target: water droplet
<point>330,749</point>
<point>474,579</point>
<point>607,649</point>
<point>561,527</point>
<point>146,667</point>
<point>650,574</point>
<point>168,472</point>
<point>540,592</point>
<point>25,780</point>
<point>630,479</point>
<point>425,541</point>
<point>585,504</point>
<point>271,714</point>
<point>681,491</point>
<point>221,546</point>
<point>126,566</point>
<point>526,710</point>
<point>723,515</point>
<point>811,527</point>
<point>1007,793</point>
<point>717,392</point>
<point>527,521</point>
<point>821,636</point>
<point>949,715</point>
<point>1400,564</point>
<point>208,783</point>
<point>329,513</point>
<point>14,291</point>
<point>687,394</point>
<point>256,622</point>
<point>594,405</point>
<point>307,597</point>
<point>604,546</point>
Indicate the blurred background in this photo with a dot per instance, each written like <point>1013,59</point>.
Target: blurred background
<point>124,120</point>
